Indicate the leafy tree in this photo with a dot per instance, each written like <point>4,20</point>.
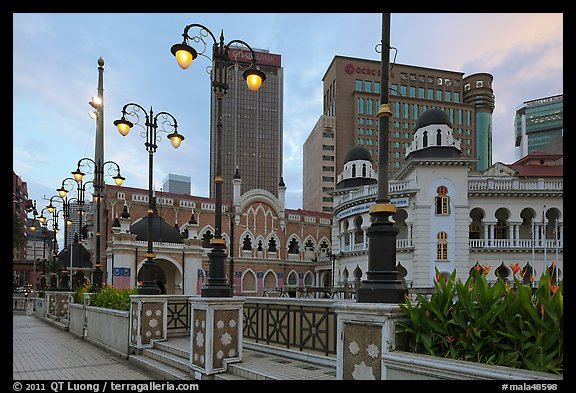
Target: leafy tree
<point>18,233</point>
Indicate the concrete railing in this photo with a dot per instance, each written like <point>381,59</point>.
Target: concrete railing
<point>105,327</point>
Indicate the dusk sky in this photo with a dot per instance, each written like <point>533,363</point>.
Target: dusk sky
<point>55,74</point>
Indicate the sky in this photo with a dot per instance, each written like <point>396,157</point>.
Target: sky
<point>55,75</point>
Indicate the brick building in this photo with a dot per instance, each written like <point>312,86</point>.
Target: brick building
<point>271,246</point>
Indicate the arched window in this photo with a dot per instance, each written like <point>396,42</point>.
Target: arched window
<point>247,243</point>
<point>206,239</point>
<point>442,201</point>
<point>293,279</point>
<point>442,246</point>
<point>425,139</point>
<point>501,229</point>
<point>272,245</point>
<point>363,170</point>
<point>353,170</point>
<point>438,138</point>
<point>293,246</point>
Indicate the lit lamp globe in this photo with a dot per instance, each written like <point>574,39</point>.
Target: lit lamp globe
<point>184,54</point>
<point>123,126</point>
<point>118,179</point>
<point>176,139</point>
<point>254,78</point>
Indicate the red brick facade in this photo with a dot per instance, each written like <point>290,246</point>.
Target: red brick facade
<point>272,246</point>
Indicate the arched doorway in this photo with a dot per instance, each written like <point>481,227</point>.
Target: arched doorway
<point>167,276</point>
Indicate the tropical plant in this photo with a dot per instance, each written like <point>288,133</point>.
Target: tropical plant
<point>111,297</point>
<point>506,323</point>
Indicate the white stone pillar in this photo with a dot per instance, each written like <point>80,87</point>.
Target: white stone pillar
<point>215,334</point>
<point>366,332</point>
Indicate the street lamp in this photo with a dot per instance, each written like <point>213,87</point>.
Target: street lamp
<point>33,228</point>
<point>149,285</point>
<point>97,197</point>
<point>383,284</point>
<point>53,274</point>
<point>185,54</point>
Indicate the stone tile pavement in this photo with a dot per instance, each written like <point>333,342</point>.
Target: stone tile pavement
<point>41,351</point>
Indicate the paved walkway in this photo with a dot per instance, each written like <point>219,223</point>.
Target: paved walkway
<point>41,351</point>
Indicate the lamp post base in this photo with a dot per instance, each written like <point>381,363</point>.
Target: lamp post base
<point>392,291</point>
<point>149,285</point>
<point>383,283</point>
<point>217,285</point>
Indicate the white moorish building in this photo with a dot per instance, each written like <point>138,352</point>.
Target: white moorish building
<point>450,217</point>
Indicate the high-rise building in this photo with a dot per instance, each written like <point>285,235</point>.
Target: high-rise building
<point>177,184</point>
<point>251,126</point>
<point>351,93</point>
<point>539,126</point>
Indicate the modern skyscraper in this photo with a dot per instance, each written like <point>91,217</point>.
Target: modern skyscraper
<point>539,125</point>
<point>351,89</point>
<point>251,126</point>
<point>177,184</point>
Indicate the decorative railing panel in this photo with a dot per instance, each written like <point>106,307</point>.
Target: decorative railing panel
<point>291,324</point>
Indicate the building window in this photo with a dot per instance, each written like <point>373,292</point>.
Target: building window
<point>403,90</point>
<point>421,92</point>
<point>394,89</point>
<point>412,91</point>
<point>247,243</point>
<point>293,247</point>
<point>438,95</point>
<point>442,246</point>
<point>368,86</point>
<point>328,178</point>
<point>360,106</point>
<point>376,87</point>
<point>467,87</point>
<point>479,84</point>
<point>501,229</point>
<point>358,85</point>
<point>442,201</point>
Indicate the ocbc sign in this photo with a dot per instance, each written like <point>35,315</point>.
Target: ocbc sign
<point>351,69</point>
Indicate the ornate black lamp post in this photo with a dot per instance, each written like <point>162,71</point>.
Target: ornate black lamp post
<point>97,197</point>
<point>149,285</point>
<point>185,54</point>
<point>383,285</point>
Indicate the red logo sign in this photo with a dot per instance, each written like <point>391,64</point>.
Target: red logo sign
<point>350,69</point>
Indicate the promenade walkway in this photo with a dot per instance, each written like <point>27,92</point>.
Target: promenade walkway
<point>41,351</point>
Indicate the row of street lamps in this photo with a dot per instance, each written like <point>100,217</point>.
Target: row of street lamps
<point>217,285</point>
<point>382,282</point>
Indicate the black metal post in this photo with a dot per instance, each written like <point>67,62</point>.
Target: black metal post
<point>149,285</point>
<point>97,274</point>
<point>217,285</point>
<point>382,284</point>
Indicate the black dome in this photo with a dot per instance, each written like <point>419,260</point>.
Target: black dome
<point>161,230</point>
<point>80,256</point>
<point>358,153</point>
<point>433,116</point>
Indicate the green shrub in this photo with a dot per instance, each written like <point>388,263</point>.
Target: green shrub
<point>507,324</point>
<point>79,293</point>
<point>115,298</point>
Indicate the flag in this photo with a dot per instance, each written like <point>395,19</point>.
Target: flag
<point>121,277</point>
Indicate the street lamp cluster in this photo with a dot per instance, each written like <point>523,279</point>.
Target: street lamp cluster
<point>66,212</point>
<point>149,285</point>
<point>217,285</point>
